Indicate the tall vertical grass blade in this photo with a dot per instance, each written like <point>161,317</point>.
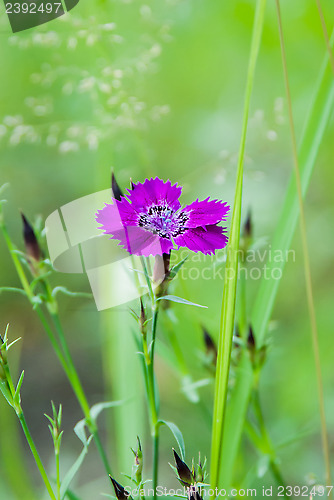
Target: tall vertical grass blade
<point>311,139</point>
<point>315,126</point>
<point>307,266</point>
<point>231,269</point>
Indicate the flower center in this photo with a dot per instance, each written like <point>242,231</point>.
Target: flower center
<point>164,221</point>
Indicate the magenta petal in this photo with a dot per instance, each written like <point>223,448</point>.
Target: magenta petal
<point>137,241</point>
<point>202,213</point>
<point>154,192</point>
<point>109,218</point>
<point>205,239</point>
<point>113,217</point>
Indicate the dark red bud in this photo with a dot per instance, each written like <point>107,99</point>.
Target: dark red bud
<point>116,190</point>
<point>210,345</point>
<point>248,226</point>
<point>30,240</point>
<point>120,492</point>
<point>183,470</point>
<point>251,342</point>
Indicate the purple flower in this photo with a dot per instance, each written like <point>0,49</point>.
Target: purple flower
<point>149,220</point>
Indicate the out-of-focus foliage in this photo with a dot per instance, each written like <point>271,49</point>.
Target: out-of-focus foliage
<point>156,88</point>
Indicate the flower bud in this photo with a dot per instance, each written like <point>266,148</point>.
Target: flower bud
<point>257,354</point>
<point>3,360</point>
<point>200,475</point>
<point>211,349</point>
<point>120,492</point>
<point>248,227</point>
<point>246,237</point>
<point>138,467</point>
<point>142,319</point>
<point>116,190</point>
<point>161,275</point>
<point>184,474</point>
<point>30,240</point>
<point>251,342</point>
<point>3,352</point>
<point>262,354</point>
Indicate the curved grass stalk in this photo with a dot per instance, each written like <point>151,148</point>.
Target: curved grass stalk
<point>307,265</point>
<point>230,281</point>
<point>315,126</point>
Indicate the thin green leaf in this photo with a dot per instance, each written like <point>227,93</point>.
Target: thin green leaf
<point>80,431</point>
<point>3,188</point>
<point>52,422</point>
<point>175,269</point>
<point>74,469</point>
<point>96,409</point>
<point>65,291</point>
<point>12,343</point>
<point>177,434</point>
<point>40,278</point>
<point>188,385</point>
<point>263,465</point>
<point>6,393</point>
<point>12,289</point>
<point>17,395</point>
<point>71,496</point>
<point>188,388</point>
<point>180,300</point>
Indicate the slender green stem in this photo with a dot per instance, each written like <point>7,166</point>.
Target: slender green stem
<point>64,355</point>
<point>155,311</point>
<point>19,412</point>
<point>79,391</point>
<point>230,282</point>
<point>58,474</point>
<point>17,263</point>
<point>36,455</point>
<point>277,475</point>
<point>155,460</point>
<point>148,282</point>
<point>154,410</point>
<point>73,375</point>
<point>151,396</point>
<point>40,313</point>
<point>307,265</point>
<point>267,445</point>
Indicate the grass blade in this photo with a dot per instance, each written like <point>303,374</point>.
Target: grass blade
<point>230,280</point>
<point>315,126</point>
<point>311,139</point>
<point>307,265</point>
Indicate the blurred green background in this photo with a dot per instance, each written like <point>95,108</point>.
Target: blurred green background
<point>152,89</point>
